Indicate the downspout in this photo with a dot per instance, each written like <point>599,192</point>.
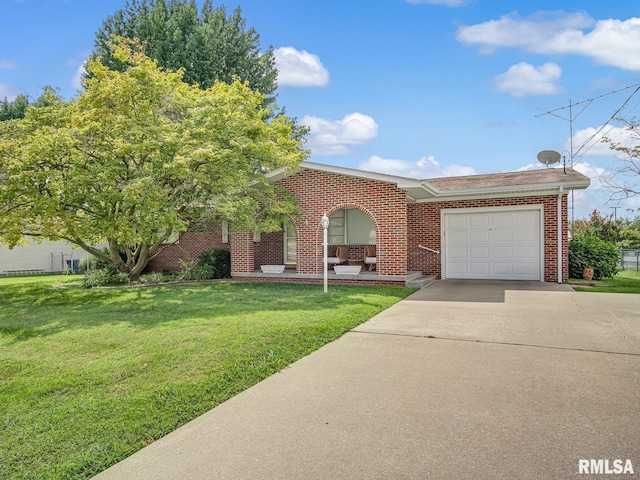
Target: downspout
<point>560,234</point>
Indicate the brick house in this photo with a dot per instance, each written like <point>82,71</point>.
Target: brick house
<point>500,226</point>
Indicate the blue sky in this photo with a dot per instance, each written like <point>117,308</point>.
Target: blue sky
<point>419,88</point>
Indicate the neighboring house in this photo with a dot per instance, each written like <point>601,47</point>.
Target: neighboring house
<point>508,226</point>
<point>39,257</point>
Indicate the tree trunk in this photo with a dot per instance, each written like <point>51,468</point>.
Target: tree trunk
<point>141,263</point>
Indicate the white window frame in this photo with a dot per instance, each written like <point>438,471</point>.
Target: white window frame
<point>339,220</point>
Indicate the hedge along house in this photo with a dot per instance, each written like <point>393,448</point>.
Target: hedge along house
<point>510,226</point>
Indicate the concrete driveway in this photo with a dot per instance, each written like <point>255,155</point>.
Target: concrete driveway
<point>462,380</point>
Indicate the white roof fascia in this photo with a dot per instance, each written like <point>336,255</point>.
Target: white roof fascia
<point>352,172</point>
<point>414,188</point>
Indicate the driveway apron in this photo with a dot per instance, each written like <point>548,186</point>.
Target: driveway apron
<point>461,380</point>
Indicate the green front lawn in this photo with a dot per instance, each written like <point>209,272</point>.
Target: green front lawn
<point>624,282</point>
<point>88,377</point>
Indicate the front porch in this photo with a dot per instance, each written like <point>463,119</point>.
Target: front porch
<point>365,277</point>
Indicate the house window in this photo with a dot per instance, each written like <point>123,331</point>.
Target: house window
<point>351,226</point>
<point>225,231</point>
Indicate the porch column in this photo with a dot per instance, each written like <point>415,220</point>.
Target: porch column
<point>242,252</point>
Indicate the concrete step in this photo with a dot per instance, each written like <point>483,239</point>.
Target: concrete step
<point>419,281</point>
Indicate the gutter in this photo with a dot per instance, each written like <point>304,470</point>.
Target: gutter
<point>559,215</point>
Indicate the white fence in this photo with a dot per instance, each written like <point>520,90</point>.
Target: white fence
<point>630,260</point>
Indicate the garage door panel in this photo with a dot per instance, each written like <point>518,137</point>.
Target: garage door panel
<point>526,269</point>
<point>458,236</point>
<point>479,253</point>
<point>527,219</point>
<point>457,221</point>
<point>504,244</point>
<point>478,236</point>
<point>457,253</point>
<point>479,220</point>
<point>458,268</point>
<point>502,220</point>
<point>501,236</point>
<point>526,252</point>
<point>527,235</point>
<point>479,268</point>
<point>502,268</point>
<point>501,252</point>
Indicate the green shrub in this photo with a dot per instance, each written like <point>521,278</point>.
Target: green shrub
<point>187,270</point>
<point>210,264</point>
<point>155,277</point>
<point>104,278</point>
<point>214,264</point>
<point>590,251</point>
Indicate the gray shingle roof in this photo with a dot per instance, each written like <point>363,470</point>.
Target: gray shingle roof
<point>545,181</point>
<point>511,179</point>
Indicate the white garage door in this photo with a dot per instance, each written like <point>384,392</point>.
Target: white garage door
<point>493,244</point>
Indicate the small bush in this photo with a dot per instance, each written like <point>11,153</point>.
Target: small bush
<point>187,270</point>
<point>104,278</point>
<point>210,264</point>
<point>590,251</point>
<point>214,264</point>
<point>155,277</point>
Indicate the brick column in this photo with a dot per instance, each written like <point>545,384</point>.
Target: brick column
<point>242,252</point>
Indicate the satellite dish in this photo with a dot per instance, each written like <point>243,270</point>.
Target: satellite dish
<point>548,157</point>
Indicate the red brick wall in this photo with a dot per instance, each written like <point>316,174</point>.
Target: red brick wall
<point>424,229</point>
<point>324,192</point>
<point>269,250</point>
<point>242,252</point>
<point>190,245</point>
<point>400,228</point>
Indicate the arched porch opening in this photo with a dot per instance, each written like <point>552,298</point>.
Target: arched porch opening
<point>355,229</point>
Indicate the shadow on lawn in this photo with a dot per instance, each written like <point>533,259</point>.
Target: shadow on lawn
<point>28,311</point>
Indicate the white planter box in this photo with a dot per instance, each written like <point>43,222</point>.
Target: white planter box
<point>272,268</point>
<point>347,269</point>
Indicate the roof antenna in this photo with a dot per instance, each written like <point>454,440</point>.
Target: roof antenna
<point>548,157</point>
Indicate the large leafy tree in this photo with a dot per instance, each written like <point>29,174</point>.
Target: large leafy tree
<point>598,225</point>
<point>209,45</point>
<point>141,155</point>
<point>16,108</point>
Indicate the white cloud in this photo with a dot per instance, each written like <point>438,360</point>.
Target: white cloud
<point>425,167</point>
<point>10,92</point>
<point>299,68</point>
<point>598,175</point>
<point>77,78</point>
<point>7,64</point>
<point>523,79</point>
<point>513,31</point>
<point>446,3</point>
<point>589,141</point>
<point>332,137</point>
<point>611,42</point>
<point>608,42</point>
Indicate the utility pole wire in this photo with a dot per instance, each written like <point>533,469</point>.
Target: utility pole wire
<point>571,119</point>
<point>586,104</point>
<point>589,101</point>
<point>606,123</point>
